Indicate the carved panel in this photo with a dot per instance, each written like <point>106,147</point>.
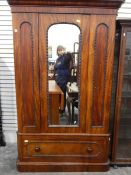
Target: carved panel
<point>27,74</point>
<point>99,75</point>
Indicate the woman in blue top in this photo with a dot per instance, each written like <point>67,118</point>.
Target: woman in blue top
<point>62,69</point>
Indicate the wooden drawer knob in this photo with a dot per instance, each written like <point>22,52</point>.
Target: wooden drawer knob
<point>37,149</point>
<point>89,150</point>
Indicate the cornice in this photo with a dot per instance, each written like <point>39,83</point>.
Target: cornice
<point>115,4</point>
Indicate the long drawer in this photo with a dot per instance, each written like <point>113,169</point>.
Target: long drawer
<point>89,150</point>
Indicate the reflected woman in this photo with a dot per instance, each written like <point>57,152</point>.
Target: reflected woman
<point>62,70</point>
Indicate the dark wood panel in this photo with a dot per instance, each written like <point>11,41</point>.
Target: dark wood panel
<point>100,67</point>
<point>99,77</point>
<point>26,71</point>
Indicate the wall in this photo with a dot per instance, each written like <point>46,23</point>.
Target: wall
<point>125,11</point>
<point>7,82</point>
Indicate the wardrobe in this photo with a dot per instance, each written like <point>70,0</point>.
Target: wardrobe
<point>121,154</point>
<point>47,140</point>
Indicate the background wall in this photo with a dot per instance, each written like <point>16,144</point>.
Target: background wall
<point>7,79</point>
<point>125,11</point>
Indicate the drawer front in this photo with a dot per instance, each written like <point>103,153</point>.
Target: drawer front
<point>61,150</point>
<point>64,148</point>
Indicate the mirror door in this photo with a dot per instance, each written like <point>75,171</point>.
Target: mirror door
<point>63,73</point>
<point>63,53</point>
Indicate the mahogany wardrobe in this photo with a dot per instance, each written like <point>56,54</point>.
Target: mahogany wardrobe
<point>63,130</point>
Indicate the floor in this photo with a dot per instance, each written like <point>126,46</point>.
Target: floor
<point>8,156</point>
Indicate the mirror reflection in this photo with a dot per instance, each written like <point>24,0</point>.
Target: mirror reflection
<point>63,73</point>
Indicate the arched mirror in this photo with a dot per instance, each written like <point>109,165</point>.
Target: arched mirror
<point>63,74</point>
